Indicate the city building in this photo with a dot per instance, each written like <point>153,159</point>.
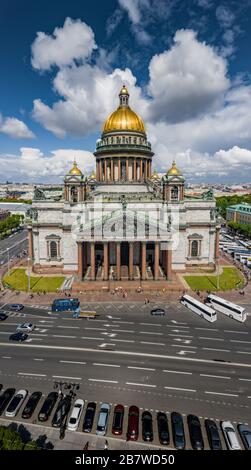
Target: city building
<point>4,214</point>
<point>240,213</point>
<point>14,207</point>
<point>124,221</point>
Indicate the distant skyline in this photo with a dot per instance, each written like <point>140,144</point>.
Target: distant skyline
<point>186,64</point>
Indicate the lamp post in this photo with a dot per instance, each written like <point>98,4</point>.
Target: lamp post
<point>29,279</point>
<point>8,254</point>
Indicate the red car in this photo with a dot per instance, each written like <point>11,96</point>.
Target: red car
<point>117,425</point>
<point>133,424</point>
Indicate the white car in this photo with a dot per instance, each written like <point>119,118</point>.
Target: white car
<point>26,327</point>
<point>230,435</point>
<point>74,419</point>
<point>16,403</point>
<point>103,419</point>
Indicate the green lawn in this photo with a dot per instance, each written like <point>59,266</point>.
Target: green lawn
<point>18,280</point>
<point>231,278</point>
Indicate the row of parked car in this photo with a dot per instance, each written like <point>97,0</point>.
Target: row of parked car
<point>11,402</point>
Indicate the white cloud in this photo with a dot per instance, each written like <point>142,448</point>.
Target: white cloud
<point>32,164</point>
<point>15,128</point>
<point>186,80</point>
<point>74,41</point>
<point>133,8</point>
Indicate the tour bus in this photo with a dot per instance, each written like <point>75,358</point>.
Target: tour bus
<point>63,305</point>
<point>247,245</point>
<point>198,307</point>
<point>241,254</point>
<point>228,308</point>
<point>244,257</point>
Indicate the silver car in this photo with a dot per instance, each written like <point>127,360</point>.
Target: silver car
<point>230,435</point>
<point>103,419</point>
<point>16,403</point>
<point>26,327</point>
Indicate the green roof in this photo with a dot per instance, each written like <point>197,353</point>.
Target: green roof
<point>243,208</point>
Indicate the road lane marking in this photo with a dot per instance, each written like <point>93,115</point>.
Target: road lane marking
<point>155,344</point>
<point>124,331</point>
<point>125,322</point>
<point>125,353</point>
<point>214,339</point>
<point>105,365</point>
<point>243,352</point>
<point>150,333</point>
<point>224,394</point>
<point>181,389</point>
<point>90,337</point>
<point>64,377</point>
<point>151,324</point>
<point>38,359</point>
<point>213,349</point>
<point>240,332</point>
<point>184,346</point>
<point>63,336</point>
<point>73,362</point>
<point>239,341</point>
<point>140,368</point>
<point>177,372</point>
<point>180,336</point>
<point>215,376</point>
<point>28,373</point>
<point>6,357</point>
<point>92,328</point>
<point>62,326</point>
<point>208,329</point>
<point>124,340</point>
<point>245,380</point>
<point>141,385</point>
<point>100,380</point>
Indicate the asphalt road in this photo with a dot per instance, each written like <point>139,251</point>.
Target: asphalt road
<point>15,243</point>
<point>157,363</point>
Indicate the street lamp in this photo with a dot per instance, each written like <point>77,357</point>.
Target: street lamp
<point>29,280</point>
<point>8,254</point>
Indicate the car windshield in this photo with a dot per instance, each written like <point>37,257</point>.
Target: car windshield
<point>73,420</point>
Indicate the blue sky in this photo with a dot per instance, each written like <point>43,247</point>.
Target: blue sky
<point>187,66</point>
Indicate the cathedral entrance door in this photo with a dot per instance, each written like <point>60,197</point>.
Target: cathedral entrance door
<point>124,254</point>
<point>123,170</point>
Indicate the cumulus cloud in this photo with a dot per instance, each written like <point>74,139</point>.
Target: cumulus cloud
<point>186,80</point>
<point>15,128</point>
<point>73,42</point>
<point>32,164</point>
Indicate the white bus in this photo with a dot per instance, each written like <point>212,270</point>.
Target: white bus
<point>228,308</point>
<point>198,307</point>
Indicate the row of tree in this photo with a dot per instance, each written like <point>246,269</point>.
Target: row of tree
<point>224,201</point>
<point>10,223</point>
<point>242,229</point>
<point>12,440</point>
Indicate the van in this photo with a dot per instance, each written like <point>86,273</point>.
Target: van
<point>103,419</point>
<point>64,305</point>
<point>230,436</point>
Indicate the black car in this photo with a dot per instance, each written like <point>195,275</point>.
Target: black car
<point>20,337</point>
<point>61,412</point>
<point>213,435</point>
<point>31,405</point>
<point>1,386</point>
<point>147,426</point>
<point>89,417</point>
<point>5,398</point>
<point>3,316</point>
<point>16,307</point>
<point>158,311</point>
<point>178,430</point>
<point>163,430</point>
<point>47,406</point>
<point>245,434</point>
<point>195,432</point>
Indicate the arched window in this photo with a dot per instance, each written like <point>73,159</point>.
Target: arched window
<point>74,194</point>
<point>53,249</point>
<point>111,140</point>
<point>123,140</point>
<point>175,193</point>
<point>195,248</point>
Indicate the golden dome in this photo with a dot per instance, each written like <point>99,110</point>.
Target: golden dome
<point>75,170</point>
<point>155,176</point>
<point>92,176</point>
<point>174,171</point>
<point>124,118</point>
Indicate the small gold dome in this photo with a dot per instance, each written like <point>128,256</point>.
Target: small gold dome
<point>155,176</point>
<point>174,171</point>
<point>92,176</point>
<point>124,118</point>
<point>75,170</point>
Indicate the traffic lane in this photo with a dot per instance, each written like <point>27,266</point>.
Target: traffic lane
<point>218,408</point>
<point>15,237</point>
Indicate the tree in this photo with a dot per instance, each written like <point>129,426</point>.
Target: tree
<point>12,440</point>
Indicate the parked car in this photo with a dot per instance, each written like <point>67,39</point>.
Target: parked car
<point>195,432</point>
<point>47,406</point>
<point>89,417</point>
<point>213,435</point>
<point>61,412</point>
<point>147,426</point>
<point>31,405</point>
<point>3,316</point>
<point>230,435</point>
<point>5,398</point>
<point>103,419</point>
<point>26,327</point>
<point>133,424</point>
<point>1,386</point>
<point>118,417</point>
<point>245,434</point>
<point>75,416</point>
<point>178,430</point>
<point>158,311</point>
<point>163,430</point>
<point>16,403</point>
<point>20,337</point>
<point>16,307</point>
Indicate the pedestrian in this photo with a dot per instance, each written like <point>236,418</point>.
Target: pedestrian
<point>106,445</point>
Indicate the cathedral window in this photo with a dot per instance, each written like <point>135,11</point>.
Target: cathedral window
<point>175,193</point>
<point>53,250</point>
<point>194,248</point>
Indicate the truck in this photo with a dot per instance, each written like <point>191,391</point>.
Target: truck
<point>84,314</point>
<point>64,305</point>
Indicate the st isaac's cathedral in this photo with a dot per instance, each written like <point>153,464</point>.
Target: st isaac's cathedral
<point>124,221</point>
